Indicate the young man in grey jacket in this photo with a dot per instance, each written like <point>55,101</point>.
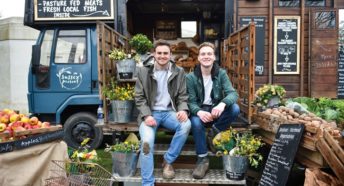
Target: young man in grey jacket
<point>161,98</point>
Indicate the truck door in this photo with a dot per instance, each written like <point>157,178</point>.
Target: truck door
<point>64,69</point>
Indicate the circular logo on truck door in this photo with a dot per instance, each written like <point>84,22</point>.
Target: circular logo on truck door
<point>68,79</point>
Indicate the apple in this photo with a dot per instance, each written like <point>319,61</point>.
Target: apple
<point>19,128</point>
<point>27,126</point>
<point>2,127</point>
<point>35,127</point>
<point>25,119</point>
<point>5,119</point>
<point>14,118</point>
<point>45,124</point>
<point>34,120</point>
<point>16,124</point>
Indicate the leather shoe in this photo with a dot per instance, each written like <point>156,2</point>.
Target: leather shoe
<point>202,167</point>
<point>168,171</point>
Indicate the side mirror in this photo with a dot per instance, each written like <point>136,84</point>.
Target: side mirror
<point>35,57</point>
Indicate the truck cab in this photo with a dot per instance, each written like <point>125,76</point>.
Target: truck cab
<point>64,77</point>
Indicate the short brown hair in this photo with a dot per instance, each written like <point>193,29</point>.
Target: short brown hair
<point>206,44</point>
<point>161,42</point>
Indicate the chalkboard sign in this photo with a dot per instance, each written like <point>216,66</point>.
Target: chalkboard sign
<point>286,45</point>
<point>31,141</point>
<point>73,10</point>
<point>260,40</point>
<point>282,154</point>
<point>340,91</point>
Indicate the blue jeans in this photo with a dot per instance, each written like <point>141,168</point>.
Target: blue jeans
<point>168,120</point>
<point>222,123</point>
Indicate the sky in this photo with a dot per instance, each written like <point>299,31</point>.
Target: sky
<point>12,8</point>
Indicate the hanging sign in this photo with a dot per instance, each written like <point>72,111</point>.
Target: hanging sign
<point>287,45</point>
<point>55,10</point>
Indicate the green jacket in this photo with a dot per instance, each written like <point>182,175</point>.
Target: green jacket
<point>146,88</point>
<point>222,90</point>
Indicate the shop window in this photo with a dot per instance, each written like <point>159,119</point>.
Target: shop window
<point>296,3</point>
<point>315,2</point>
<point>71,47</point>
<point>289,3</point>
<point>325,20</point>
<point>189,29</point>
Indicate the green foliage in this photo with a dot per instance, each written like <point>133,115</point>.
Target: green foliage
<point>118,54</point>
<point>141,43</point>
<point>125,147</point>
<point>83,154</point>
<point>326,108</point>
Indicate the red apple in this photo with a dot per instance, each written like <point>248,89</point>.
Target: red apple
<point>34,120</point>
<point>14,118</point>
<point>25,119</point>
<point>45,124</point>
<point>2,127</point>
<point>5,119</point>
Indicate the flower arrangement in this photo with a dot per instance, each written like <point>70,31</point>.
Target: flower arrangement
<point>232,143</point>
<point>265,93</point>
<point>118,54</point>
<point>141,43</point>
<point>131,144</point>
<point>83,154</point>
<point>115,91</point>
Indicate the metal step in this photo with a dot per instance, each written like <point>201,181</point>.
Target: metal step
<point>214,176</point>
<point>188,150</point>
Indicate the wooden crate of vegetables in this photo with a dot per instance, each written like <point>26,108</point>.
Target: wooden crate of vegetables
<point>270,119</point>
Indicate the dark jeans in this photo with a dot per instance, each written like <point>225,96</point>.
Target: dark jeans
<point>198,128</point>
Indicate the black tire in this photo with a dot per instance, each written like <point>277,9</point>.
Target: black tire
<point>80,126</point>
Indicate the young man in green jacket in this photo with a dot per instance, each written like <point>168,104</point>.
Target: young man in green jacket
<point>161,98</point>
<point>212,103</point>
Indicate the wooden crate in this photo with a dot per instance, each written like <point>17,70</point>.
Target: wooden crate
<point>271,123</point>
<point>333,152</point>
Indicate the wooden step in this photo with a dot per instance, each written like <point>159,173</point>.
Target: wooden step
<point>214,176</point>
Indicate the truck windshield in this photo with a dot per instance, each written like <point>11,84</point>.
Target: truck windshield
<point>71,46</point>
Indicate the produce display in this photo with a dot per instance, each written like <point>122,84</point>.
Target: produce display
<point>289,115</point>
<point>15,126</point>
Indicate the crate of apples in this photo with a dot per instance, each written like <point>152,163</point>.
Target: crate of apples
<point>17,126</point>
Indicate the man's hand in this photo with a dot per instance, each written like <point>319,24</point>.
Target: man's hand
<point>217,111</point>
<point>150,121</point>
<point>205,116</point>
<point>182,116</point>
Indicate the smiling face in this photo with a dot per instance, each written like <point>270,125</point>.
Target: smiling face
<point>162,55</point>
<point>206,56</point>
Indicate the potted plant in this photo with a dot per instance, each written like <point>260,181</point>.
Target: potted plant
<point>141,44</point>
<point>121,96</point>
<point>238,150</point>
<point>124,156</point>
<point>269,96</point>
<point>125,64</point>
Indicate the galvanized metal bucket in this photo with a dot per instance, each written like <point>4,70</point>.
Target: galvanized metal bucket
<point>122,110</point>
<point>124,164</point>
<point>126,68</point>
<point>235,167</point>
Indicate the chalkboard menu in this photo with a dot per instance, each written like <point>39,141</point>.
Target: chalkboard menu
<point>340,91</point>
<point>260,40</point>
<point>282,154</point>
<point>286,45</point>
<point>73,10</point>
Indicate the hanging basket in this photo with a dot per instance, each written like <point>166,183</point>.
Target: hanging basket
<point>235,166</point>
<point>126,68</point>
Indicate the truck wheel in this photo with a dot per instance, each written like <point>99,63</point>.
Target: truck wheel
<point>80,126</point>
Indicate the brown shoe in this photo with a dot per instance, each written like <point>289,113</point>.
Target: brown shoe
<point>168,171</point>
<point>202,167</point>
